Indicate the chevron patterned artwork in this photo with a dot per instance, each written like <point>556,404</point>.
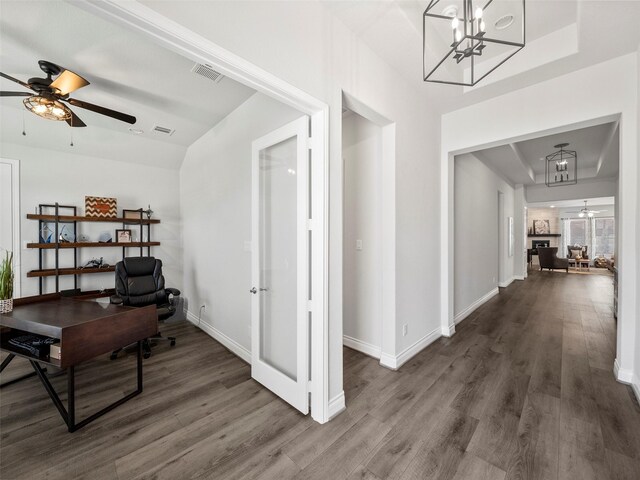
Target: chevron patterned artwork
<point>101,207</point>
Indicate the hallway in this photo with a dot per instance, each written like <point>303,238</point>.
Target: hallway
<point>524,390</point>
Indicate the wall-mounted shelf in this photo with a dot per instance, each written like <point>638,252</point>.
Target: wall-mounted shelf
<point>79,218</point>
<point>51,272</point>
<point>91,244</point>
<point>57,220</point>
<point>545,235</point>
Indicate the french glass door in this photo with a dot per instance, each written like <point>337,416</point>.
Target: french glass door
<point>280,262</point>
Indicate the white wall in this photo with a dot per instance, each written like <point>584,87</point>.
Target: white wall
<point>597,94</point>
<point>324,58</point>
<point>49,176</point>
<point>362,274</point>
<point>520,234</point>
<point>588,188</point>
<point>478,231</point>
<point>636,379</point>
<point>215,202</point>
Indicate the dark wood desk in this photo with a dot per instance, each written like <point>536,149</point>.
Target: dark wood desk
<point>85,329</point>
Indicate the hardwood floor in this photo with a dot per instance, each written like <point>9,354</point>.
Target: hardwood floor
<point>524,390</point>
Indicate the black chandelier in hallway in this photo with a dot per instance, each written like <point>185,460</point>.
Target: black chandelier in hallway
<point>465,40</point>
<point>561,167</point>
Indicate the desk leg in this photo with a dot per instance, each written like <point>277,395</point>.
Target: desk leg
<point>71,398</point>
<point>69,416</point>
<point>4,365</point>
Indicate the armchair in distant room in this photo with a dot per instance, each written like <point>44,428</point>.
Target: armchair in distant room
<point>576,250</point>
<point>139,282</point>
<point>548,257</point>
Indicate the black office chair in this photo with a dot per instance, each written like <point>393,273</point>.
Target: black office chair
<point>139,282</point>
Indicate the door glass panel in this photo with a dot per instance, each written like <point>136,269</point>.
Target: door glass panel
<point>278,256</point>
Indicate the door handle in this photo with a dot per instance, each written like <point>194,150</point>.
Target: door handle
<point>264,289</point>
<point>253,290</point>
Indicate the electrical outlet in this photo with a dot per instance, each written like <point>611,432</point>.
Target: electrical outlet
<point>405,330</point>
<point>358,244</point>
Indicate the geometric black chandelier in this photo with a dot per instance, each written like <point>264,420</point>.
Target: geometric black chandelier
<point>466,40</point>
<point>561,167</point>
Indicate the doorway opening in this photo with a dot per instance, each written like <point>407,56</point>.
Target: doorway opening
<point>368,152</point>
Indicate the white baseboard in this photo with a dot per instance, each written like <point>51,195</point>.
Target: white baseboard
<point>403,357</point>
<point>621,374</point>
<point>360,346</point>
<point>507,283</point>
<point>231,344</point>
<point>469,310</point>
<point>336,405</point>
<point>519,277</point>
<point>449,330</point>
<point>635,386</point>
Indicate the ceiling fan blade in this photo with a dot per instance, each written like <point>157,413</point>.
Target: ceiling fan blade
<point>103,111</point>
<point>15,80</point>
<point>75,121</point>
<point>15,94</point>
<point>68,82</point>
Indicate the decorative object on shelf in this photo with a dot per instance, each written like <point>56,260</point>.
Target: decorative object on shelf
<point>6,283</point>
<point>46,233</point>
<point>66,236</point>
<point>561,167</point>
<point>148,211</point>
<point>541,227</point>
<point>104,237</point>
<point>101,207</point>
<point>132,214</point>
<point>456,34</point>
<point>123,235</point>
<point>95,263</point>
<point>83,237</point>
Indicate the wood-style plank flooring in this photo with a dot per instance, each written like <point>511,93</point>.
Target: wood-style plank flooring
<point>524,390</point>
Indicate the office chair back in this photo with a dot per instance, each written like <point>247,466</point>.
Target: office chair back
<point>139,282</point>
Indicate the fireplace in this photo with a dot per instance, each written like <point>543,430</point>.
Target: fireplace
<point>539,243</point>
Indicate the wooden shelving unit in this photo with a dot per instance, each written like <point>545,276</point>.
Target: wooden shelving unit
<point>52,272</point>
<point>80,218</point>
<point>546,235</point>
<point>91,244</point>
<point>57,219</point>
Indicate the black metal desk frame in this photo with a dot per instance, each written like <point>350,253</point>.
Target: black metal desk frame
<point>69,414</point>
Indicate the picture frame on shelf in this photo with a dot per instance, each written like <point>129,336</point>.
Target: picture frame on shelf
<point>123,235</point>
<point>541,227</point>
<point>132,214</point>
<point>100,207</point>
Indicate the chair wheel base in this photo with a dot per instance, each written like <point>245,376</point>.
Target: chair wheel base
<point>113,356</point>
<point>146,355</point>
<point>173,343</point>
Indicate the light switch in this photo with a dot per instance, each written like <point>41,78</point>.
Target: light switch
<point>358,244</point>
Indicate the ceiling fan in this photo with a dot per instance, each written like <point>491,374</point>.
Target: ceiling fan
<point>586,212</point>
<point>50,93</point>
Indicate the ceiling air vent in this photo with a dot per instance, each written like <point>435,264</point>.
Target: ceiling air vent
<point>207,71</point>
<point>163,130</point>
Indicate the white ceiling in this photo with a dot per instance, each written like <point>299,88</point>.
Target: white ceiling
<point>127,72</point>
<point>604,29</point>
<point>597,149</point>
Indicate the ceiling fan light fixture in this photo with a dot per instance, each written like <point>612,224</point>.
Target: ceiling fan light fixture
<point>47,107</point>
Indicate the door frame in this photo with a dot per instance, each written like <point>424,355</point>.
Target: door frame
<point>15,222</point>
<point>173,36</point>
